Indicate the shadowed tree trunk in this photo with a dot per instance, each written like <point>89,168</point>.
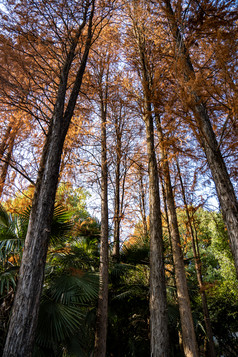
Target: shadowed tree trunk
<point>142,201</point>
<point>198,268</point>
<point>158,304</point>
<point>117,203</point>
<point>206,137</point>
<point>6,163</point>
<point>20,338</point>
<point>100,346</point>
<point>159,335</point>
<point>6,150</point>
<point>188,333</point>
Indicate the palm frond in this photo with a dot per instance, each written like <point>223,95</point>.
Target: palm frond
<point>4,217</point>
<point>8,279</point>
<point>57,322</point>
<point>61,226</point>
<point>136,252</point>
<point>76,288</point>
<point>76,257</point>
<point>12,234</point>
<point>131,291</point>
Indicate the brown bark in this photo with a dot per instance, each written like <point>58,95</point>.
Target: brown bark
<point>117,205</point>
<point>159,336</point>
<point>20,338</point>
<point>158,304</point>
<point>4,143</point>
<point>142,202</point>
<point>5,166</point>
<point>207,138</point>
<point>188,333</point>
<point>198,268</point>
<point>102,310</point>
<point>7,149</point>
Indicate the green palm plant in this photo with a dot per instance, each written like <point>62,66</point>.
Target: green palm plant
<point>69,293</point>
<point>65,304</point>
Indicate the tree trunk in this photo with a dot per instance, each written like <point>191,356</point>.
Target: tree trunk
<point>158,304</point>
<point>198,268</point>
<point>159,335</point>
<point>3,144</point>
<point>7,149</point>
<point>142,201</point>
<point>117,213</point>
<point>20,338</point>
<point>6,163</point>
<point>102,310</point>
<point>24,315</point>
<point>188,332</point>
<point>207,138</point>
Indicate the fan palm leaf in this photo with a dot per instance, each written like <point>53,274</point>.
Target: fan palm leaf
<point>64,307</point>
<point>8,279</point>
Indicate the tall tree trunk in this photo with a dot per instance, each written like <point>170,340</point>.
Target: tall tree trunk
<point>4,143</point>
<point>117,205</point>
<point>188,332</point>
<point>102,310</point>
<point>198,268</point>
<point>207,138</point>
<point>159,335</point>
<point>20,338</point>
<point>5,164</point>
<point>142,201</point>
<point>158,304</point>
<point>7,149</point>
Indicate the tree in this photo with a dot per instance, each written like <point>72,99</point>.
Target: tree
<point>74,27</point>
<point>188,332</point>
<point>198,267</point>
<point>102,73</point>
<point>158,304</point>
<point>204,131</point>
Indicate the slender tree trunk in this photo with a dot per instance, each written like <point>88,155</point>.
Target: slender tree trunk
<point>117,211</point>
<point>4,144</point>
<point>198,268</point>
<point>207,138</point>
<point>142,202</point>
<point>102,310</point>
<point>188,332</point>
<point>7,149</point>
<point>5,165</point>
<point>20,338</point>
<point>159,335</point>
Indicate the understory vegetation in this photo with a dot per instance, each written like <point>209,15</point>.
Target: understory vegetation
<point>67,314</point>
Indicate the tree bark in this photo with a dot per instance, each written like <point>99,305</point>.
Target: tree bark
<point>159,335</point>
<point>142,201</point>
<point>117,205</point>
<point>6,163</point>
<point>20,338</point>
<point>198,268</point>
<point>188,333</point>
<point>207,138</point>
<point>102,310</point>
<point>3,144</point>
<point>158,304</point>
